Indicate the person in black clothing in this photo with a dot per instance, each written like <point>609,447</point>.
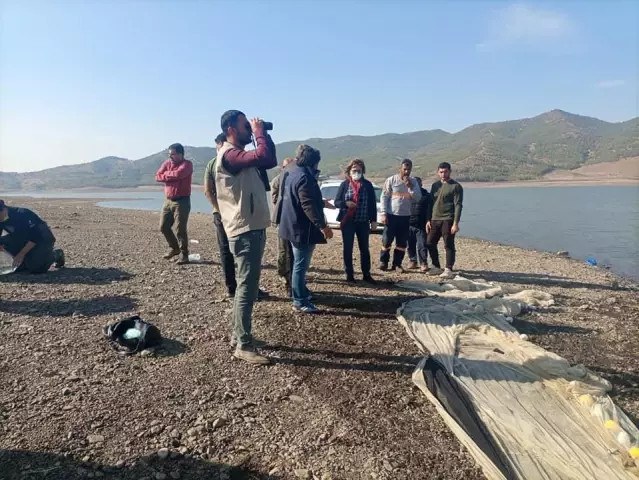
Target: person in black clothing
<point>421,212</point>
<point>28,239</point>
<point>302,221</point>
<point>357,215</point>
<point>284,248</point>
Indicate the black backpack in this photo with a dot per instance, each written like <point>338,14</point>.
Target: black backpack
<point>149,337</point>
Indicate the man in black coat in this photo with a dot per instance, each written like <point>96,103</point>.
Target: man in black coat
<point>301,220</point>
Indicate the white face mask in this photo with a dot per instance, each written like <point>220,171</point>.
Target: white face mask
<point>356,175</point>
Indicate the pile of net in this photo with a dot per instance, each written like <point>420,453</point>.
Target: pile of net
<point>521,411</point>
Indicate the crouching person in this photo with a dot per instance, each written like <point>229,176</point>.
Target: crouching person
<point>28,239</point>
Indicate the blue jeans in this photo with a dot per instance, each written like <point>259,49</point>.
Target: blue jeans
<point>302,255</point>
<point>248,249</point>
<point>417,245</point>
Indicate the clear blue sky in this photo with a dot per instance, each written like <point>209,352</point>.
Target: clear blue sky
<point>84,80</point>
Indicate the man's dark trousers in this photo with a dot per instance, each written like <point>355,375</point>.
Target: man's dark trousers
<point>176,211</point>
<point>396,229</point>
<point>285,260</point>
<point>439,229</point>
<point>226,257</point>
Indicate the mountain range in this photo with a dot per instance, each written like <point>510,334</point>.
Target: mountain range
<point>524,149</point>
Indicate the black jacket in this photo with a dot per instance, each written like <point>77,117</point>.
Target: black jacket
<point>276,186</point>
<point>23,226</point>
<point>302,214</point>
<point>421,211</point>
<point>340,200</point>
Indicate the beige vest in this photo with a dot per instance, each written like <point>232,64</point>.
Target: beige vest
<point>241,197</point>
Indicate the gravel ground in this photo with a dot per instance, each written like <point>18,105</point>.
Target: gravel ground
<point>337,403</point>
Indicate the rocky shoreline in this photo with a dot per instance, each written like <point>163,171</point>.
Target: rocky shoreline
<point>337,403</point>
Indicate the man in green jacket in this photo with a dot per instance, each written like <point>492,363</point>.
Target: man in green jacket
<point>448,196</point>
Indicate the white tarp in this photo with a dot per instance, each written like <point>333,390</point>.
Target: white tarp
<point>550,420</point>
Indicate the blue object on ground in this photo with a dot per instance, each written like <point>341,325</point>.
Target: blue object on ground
<point>591,261</point>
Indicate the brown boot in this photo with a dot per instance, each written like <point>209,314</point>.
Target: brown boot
<point>412,266</point>
<point>171,254</point>
<point>249,355</point>
<point>184,259</point>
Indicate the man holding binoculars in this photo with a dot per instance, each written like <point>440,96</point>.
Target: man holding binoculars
<point>241,185</point>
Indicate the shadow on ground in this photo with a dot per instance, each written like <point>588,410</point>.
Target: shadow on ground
<point>333,360</point>
<point>171,348</point>
<point>201,262</point>
<point>382,283</point>
<point>90,307</point>
<point>25,465</point>
<point>533,279</point>
<point>539,328</point>
<point>70,275</point>
<point>365,304</point>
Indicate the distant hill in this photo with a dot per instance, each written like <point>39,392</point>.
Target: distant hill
<point>523,149</point>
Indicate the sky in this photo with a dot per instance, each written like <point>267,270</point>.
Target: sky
<point>82,80</point>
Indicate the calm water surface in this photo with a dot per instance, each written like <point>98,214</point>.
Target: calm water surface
<point>588,221</point>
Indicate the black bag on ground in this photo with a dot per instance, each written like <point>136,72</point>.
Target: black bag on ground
<point>144,335</point>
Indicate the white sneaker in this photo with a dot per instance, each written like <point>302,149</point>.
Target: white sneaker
<point>448,274</point>
<point>434,271</point>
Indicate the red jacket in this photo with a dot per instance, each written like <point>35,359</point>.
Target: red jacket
<point>176,178</point>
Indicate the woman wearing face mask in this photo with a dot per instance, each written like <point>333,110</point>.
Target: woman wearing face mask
<point>302,221</point>
<point>357,216</point>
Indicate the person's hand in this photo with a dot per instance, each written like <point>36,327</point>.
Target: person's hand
<point>454,229</point>
<point>428,227</point>
<point>328,233</point>
<point>18,259</point>
<point>256,124</point>
<point>383,219</point>
<point>350,204</point>
<point>373,226</point>
<point>329,205</point>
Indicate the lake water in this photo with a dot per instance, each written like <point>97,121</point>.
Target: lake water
<point>601,222</point>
